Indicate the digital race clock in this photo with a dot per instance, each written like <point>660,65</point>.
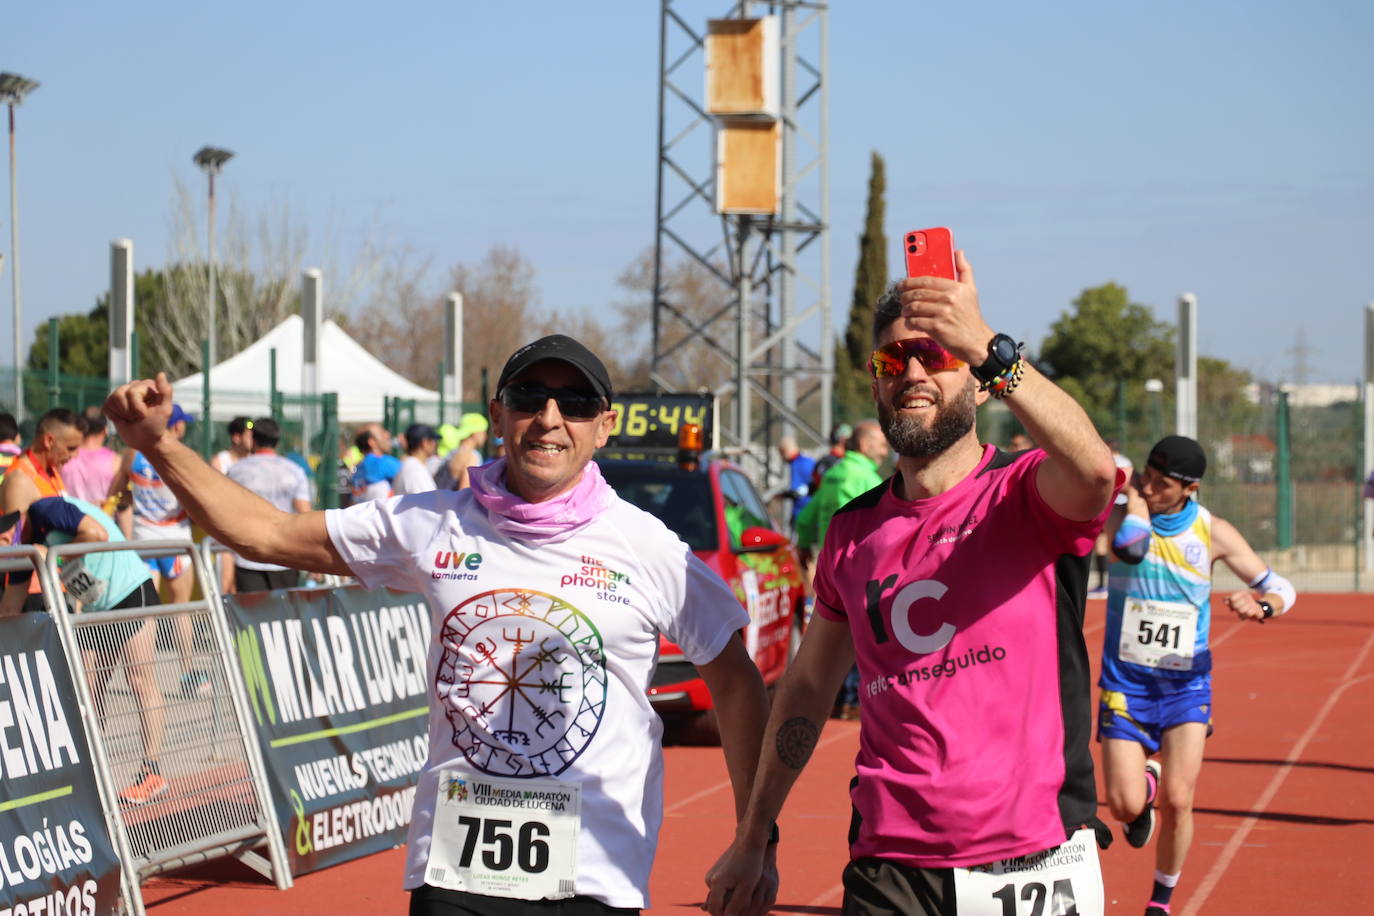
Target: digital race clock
<point>653,421</point>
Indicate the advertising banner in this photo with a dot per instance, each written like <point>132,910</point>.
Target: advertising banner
<point>336,683</point>
<point>56,857</point>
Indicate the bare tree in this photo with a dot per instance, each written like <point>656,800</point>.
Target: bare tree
<point>690,363</point>
<point>261,258</point>
<point>402,323</point>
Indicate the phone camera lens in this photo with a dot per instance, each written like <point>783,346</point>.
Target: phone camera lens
<point>911,248</point>
<point>911,237</point>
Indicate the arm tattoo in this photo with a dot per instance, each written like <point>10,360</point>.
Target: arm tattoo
<point>796,739</point>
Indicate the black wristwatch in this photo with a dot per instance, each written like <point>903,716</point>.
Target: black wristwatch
<point>1267,608</point>
<point>1003,352</point>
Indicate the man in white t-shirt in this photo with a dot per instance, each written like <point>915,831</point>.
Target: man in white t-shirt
<point>282,483</point>
<point>422,442</point>
<point>542,792</point>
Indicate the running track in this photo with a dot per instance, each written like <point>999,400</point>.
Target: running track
<point>1285,805</point>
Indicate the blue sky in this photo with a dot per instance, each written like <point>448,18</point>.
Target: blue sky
<point>1221,148</point>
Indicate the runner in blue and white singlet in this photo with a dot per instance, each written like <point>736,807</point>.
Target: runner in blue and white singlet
<point>1156,662</point>
<point>1159,612</point>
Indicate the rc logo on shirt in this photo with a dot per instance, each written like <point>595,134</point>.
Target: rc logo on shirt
<point>1193,554</point>
<point>899,615</point>
<point>522,681</point>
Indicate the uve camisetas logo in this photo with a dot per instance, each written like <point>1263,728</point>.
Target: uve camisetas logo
<point>456,565</point>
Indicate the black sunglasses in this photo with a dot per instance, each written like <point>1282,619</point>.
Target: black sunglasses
<point>572,403</point>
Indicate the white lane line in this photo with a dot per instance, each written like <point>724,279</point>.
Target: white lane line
<point>1228,854</point>
<point>834,895</point>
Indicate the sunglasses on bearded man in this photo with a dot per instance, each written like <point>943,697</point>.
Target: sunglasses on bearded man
<point>891,359</point>
<point>572,403</point>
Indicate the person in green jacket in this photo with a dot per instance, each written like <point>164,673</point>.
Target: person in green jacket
<point>852,475</point>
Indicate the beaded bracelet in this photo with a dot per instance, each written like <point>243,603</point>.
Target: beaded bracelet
<point>1002,385</point>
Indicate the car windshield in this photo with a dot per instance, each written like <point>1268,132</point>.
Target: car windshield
<point>681,499</point>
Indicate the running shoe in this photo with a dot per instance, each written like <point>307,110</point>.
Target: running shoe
<point>195,684</point>
<point>1155,909</point>
<point>1139,831</point>
<point>1099,592</point>
<point>148,787</point>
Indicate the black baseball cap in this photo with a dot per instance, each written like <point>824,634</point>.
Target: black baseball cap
<point>558,346</point>
<point>1178,457</point>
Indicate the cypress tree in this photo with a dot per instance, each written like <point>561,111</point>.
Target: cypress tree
<point>852,395</point>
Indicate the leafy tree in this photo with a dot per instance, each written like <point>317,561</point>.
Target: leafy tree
<point>853,397</point>
<point>84,340</point>
<point>83,345</point>
<point>1106,339</point>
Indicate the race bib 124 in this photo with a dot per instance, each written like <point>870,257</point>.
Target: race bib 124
<point>1063,881</point>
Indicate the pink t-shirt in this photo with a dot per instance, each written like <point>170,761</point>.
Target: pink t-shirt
<point>88,474</point>
<point>966,611</point>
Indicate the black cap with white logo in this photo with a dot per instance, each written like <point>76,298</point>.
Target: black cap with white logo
<point>1178,457</point>
<point>558,346</point>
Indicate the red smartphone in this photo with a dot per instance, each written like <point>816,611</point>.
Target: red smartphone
<point>930,253</point>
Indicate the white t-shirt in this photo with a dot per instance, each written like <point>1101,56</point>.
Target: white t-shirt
<point>580,620</point>
<point>278,480</point>
<point>413,477</point>
<point>223,461</point>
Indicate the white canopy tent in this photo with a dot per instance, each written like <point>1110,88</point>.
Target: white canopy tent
<point>240,386</point>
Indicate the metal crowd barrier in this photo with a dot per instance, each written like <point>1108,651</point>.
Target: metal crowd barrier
<point>216,802</point>
<point>31,559</point>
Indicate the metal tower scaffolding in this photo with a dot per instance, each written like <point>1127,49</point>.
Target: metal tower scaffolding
<point>755,326</point>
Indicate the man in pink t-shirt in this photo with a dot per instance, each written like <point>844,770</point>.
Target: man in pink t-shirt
<point>958,585</point>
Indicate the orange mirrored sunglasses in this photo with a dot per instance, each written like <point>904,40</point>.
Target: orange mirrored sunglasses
<point>891,359</point>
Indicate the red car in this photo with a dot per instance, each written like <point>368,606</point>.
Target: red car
<point>718,513</point>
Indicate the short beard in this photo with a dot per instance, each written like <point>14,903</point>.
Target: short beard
<point>912,439</point>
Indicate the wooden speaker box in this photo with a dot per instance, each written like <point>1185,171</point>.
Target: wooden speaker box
<point>748,166</point>
<point>742,67</point>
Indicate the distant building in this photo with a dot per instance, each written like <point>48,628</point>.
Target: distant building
<point>1247,458</point>
<point>1302,395</point>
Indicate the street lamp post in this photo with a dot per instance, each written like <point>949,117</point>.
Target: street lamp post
<point>13,88</point>
<point>211,159</point>
<point>1155,389</point>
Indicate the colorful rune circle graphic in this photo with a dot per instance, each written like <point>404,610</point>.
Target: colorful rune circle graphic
<point>522,681</point>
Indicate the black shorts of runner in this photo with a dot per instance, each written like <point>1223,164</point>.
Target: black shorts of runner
<point>264,580</point>
<point>110,638</point>
<point>879,887</point>
<point>437,901</point>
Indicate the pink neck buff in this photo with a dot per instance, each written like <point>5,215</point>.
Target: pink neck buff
<point>547,522</point>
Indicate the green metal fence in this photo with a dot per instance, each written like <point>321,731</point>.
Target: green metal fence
<point>1288,477</point>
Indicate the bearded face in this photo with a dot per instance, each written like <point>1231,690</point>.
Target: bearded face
<point>929,424</point>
